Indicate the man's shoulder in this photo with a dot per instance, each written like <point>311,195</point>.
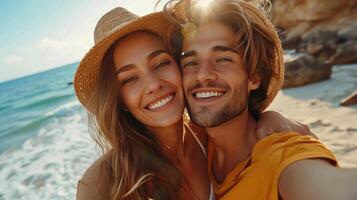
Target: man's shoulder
<point>289,147</point>
<point>285,140</point>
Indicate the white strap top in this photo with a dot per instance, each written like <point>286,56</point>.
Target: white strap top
<point>211,196</point>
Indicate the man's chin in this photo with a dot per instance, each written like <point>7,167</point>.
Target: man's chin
<point>211,119</point>
<point>202,123</point>
<point>206,121</point>
<point>208,124</point>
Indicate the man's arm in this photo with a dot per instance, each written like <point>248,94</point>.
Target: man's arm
<point>316,179</point>
<point>274,122</point>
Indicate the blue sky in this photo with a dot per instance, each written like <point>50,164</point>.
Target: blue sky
<point>36,35</point>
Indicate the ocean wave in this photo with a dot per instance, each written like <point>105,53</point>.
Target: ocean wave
<point>53,100</point>
<point>3,107</point>
<point>49,164</point>
<point>34,124</point>
<point>66,109</point>
<point>24,96</point>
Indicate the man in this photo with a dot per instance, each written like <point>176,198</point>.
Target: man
<point>232,69</point>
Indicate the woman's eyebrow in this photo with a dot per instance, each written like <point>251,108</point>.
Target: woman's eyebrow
<point>124,68</point>
<point>153,54</point>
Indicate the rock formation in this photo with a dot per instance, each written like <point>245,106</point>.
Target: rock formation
<point>325,30</point>
<point>303,69</point>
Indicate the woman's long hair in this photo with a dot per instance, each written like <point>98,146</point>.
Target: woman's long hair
<point>136,166</point>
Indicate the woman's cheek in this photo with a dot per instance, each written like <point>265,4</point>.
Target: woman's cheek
<point>130,96</point>
<point>171,75</point>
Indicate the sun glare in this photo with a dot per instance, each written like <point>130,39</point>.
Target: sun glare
<point>204,4</point>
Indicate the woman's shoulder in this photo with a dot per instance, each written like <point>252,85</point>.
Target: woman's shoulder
<point>94,183</point>
<point>96,169</point>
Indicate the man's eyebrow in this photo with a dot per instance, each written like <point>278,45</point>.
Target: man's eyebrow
<point>215,48</point>
<point>188,54</point>
<point>224,48</point>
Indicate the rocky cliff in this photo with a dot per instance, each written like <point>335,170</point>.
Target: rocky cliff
<point>325,30</point>
<point>322,32</point>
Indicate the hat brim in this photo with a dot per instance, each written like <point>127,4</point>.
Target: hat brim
<point>89,67</point>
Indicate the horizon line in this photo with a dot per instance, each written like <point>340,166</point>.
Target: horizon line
<point>38,72</point>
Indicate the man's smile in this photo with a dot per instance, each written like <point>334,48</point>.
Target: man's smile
<point>207,95</point>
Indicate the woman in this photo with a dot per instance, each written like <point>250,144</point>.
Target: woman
<point>132,87</point>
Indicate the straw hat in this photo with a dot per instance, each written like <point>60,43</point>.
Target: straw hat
<point>112,26</point>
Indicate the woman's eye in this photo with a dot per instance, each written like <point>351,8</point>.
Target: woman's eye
<point>223,60</point>
<point>163,64</point>
<point>129,80</point>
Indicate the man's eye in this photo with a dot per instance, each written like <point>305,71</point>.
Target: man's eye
<point>189,64</point>
<point>129,80</point>
<point>223,60</point>
<point>163,64</point>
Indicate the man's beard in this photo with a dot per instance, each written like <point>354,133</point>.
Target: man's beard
<point>207,118</point>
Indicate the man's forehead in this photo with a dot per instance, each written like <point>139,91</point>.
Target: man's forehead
<point>210,34</point>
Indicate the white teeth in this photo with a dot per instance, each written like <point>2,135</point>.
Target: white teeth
<point>160,103</point>
<point>202,95</point>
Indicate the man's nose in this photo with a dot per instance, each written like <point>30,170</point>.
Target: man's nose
<point>206,72</point>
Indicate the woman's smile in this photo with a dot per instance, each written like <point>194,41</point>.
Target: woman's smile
<point>150,80</point>
<point>161,103</point>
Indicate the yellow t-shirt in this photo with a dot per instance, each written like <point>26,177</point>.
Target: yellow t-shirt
<point>256,178</point>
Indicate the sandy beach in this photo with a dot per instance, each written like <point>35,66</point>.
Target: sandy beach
<point>318,106</point>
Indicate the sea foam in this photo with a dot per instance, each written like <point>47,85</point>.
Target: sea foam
<point>49,165</point>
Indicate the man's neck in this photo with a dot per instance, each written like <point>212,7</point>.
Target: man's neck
<point>233,142</point>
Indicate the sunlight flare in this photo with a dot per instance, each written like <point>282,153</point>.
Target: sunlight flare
<point>204,4</point>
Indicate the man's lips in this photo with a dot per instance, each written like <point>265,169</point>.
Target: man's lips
<point>207,93</point>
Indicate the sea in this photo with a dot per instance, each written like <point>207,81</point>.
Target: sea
<point>45,146</point>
